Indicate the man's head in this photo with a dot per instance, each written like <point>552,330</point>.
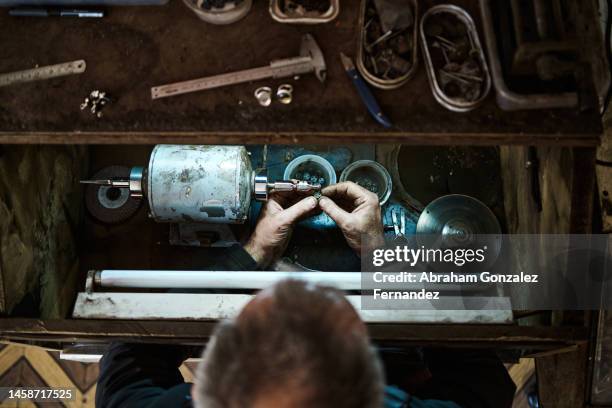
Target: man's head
<point>294,345</point>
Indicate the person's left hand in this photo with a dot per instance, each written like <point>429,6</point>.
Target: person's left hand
<point>273,231</point>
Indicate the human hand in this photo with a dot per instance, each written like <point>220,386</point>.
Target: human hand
<point>273,231</point>
<point>357,212</point>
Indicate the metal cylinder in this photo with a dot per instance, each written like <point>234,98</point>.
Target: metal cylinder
<point>211,184</point>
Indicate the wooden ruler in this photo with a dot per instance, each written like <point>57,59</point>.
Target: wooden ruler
<point>40,73</point>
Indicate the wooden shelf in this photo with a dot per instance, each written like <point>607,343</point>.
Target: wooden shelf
<point>189,332</point>
<point>135,48</point>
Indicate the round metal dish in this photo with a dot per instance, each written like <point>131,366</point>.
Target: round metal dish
<point>460,221</point>
<point>311,163</point>
<point>369,174</point>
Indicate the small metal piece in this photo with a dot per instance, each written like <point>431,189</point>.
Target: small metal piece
<point>260,188</point>
<point>95,102</point>
<point>136,181</point>
<point>443,41</point>
<point>264,96</point>
<point>284,94</point>
<point>382,38</point>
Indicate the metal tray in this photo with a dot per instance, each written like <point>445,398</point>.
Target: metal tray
<point>508,99</point>
<point>445,100</point>
<point>277,14</point>
<point>370,77</point>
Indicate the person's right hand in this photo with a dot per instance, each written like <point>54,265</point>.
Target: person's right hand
<point>356,211</point>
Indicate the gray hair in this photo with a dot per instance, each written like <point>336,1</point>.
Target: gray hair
<point>300,344</point>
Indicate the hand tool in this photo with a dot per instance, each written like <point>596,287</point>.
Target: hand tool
<point>297,186</point>
<point>311,60</point>
<point>55,12</point>
<point>40,73</point>
<point>364,92</point>
<point>108,183</point>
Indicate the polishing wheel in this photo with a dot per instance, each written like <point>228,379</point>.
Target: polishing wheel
<point>111,205</point>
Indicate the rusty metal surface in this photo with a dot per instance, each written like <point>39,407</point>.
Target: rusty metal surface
<point>136,48</point>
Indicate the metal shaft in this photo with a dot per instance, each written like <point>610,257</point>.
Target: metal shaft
<point>291,186</point>
<point>109,183</point>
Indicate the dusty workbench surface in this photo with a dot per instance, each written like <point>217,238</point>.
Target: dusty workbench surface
<point>135,48</point>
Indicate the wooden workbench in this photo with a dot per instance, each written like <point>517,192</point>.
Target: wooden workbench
<point>135,48</point>
<point>140,47</point>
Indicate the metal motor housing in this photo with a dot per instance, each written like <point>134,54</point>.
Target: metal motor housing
<point>211,184</point>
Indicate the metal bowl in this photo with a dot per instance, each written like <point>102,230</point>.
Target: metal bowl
<point>311,164</point>
<point>370,175</point>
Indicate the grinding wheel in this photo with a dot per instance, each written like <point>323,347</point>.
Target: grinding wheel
<point>111,205</point>
<point>461,221</point>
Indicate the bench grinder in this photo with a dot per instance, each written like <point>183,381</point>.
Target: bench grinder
<point>188,184</point>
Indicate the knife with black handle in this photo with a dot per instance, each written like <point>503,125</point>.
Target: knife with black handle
<point>364,92</point>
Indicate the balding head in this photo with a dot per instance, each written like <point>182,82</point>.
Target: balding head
<point>294,345</point>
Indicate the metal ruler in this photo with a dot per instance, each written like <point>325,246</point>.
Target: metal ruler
<point>310,60</point>
<point>277,69</point>
<point>40,73</point>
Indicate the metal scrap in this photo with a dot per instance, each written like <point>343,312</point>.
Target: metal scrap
<point>304,8</point>
<point>388,45</point>
<point>455,58</point>
<point>95,102</point>
<point>216,4</point>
